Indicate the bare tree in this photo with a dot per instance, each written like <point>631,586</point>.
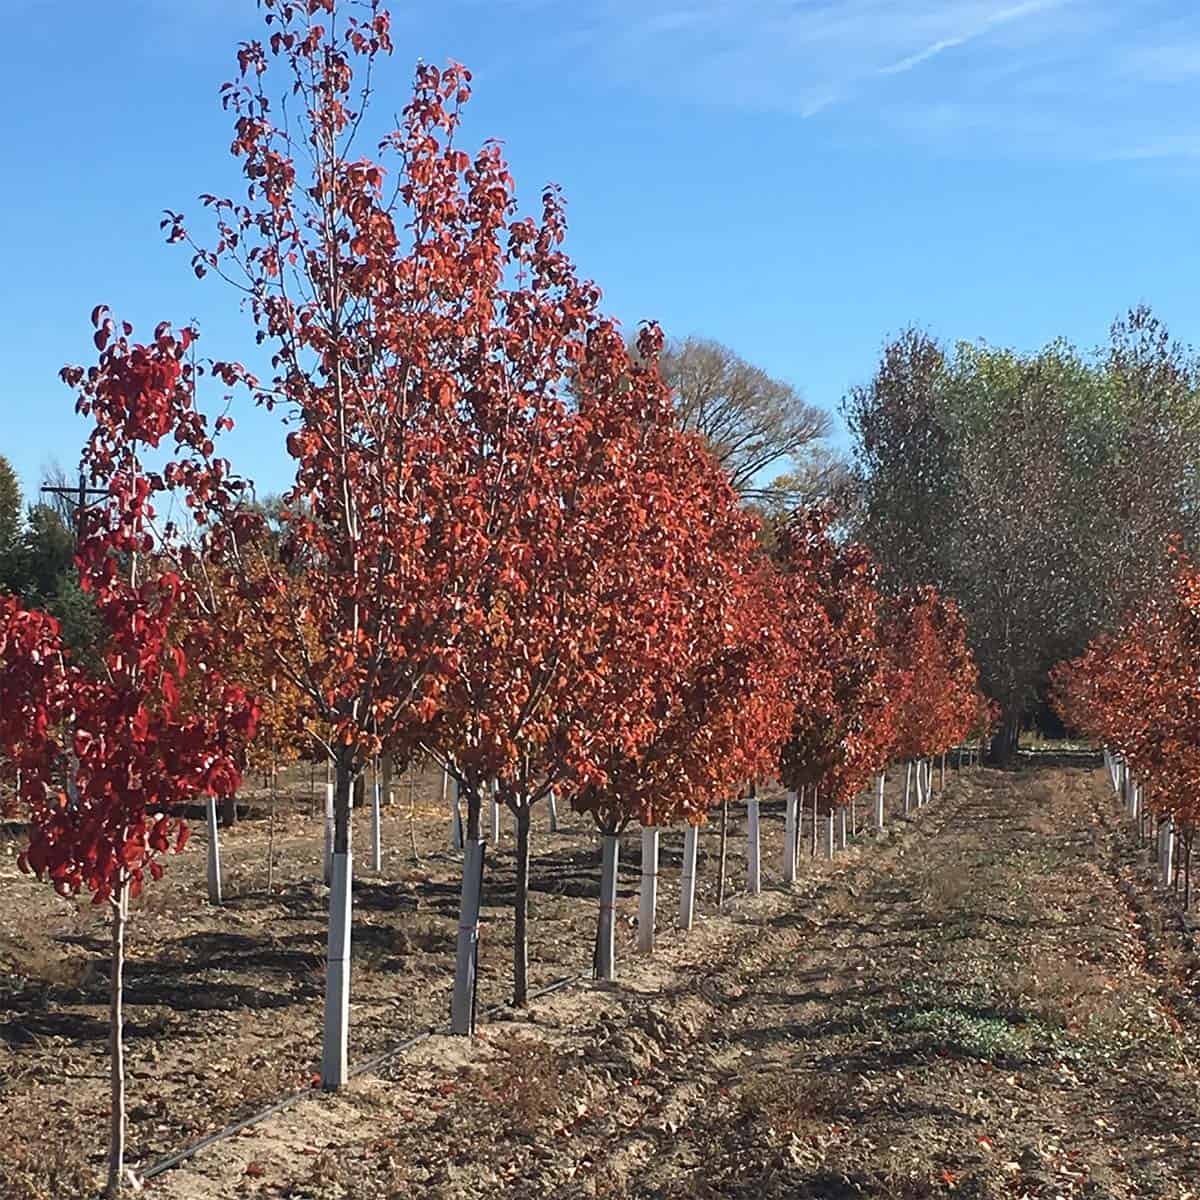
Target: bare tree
<point>751,421</point>
<point>59,489</point>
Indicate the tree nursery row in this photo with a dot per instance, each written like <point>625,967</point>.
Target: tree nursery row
<point>1137,693</point>
<point>499,550</point>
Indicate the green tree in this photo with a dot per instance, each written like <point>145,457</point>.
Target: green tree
<point>46,553</point>
<point>76,613</point>
<point>10,524</point>
<point>1039,490</point>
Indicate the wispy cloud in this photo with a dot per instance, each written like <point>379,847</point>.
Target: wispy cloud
<point>799,56</point>
<point>1049,78</point>
<point>988,23</point>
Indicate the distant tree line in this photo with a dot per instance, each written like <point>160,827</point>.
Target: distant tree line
<point>1040,490</point>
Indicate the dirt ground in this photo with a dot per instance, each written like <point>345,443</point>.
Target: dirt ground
<point>989,1000</point>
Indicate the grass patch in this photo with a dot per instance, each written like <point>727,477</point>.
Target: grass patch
<point>967,1034</point>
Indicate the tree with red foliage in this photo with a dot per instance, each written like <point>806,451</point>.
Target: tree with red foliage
<point>934,680</point>
<point>110,758</point>
<point>587,600</point>
<point>703,660</point>
<point>1137,692</point>
<point>839,728</point>
<point>457,400</point>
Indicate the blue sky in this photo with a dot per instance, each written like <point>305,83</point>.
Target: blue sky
<point>797,178</point>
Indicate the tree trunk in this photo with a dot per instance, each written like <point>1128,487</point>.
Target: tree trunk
<point>687,880</point>
<point>1166,847</point>
<point>376,823</point>
<point>521,909</point>
<point>462,1004</point>
<point>334,1060</point>
<point>879,817</point>
<point>790,835</point>
<point>814,823</point>
<point>412,815</point>
<point>330,823</point>
<point>229,811</point>
<point>116,1036</point>
<point>271,827</point>
<point>450,795</point>
<point>1002,750</point>
<point>721,855</point>
<point>607,924</point>
<point>648,897</point>
<point>842,839</point>
<point>829,835</point>
<point>214,853</point>
<point>908,773</point>
<point>552,800</point>
<point>753,848</point>
<point>799,827</point>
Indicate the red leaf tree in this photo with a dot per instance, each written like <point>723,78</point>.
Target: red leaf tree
<point>934,680</point>
<point>840,721</point>
<point>110,758</point>
<point>1138,693</point>
<point>702,658</point>
<point>469,436</point>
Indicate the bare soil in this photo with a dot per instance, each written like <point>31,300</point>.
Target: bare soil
<point>989,999</point>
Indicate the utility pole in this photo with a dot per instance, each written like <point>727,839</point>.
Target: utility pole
<point>82,495</point>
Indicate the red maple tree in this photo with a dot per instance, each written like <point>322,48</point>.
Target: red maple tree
<point>110,757</point>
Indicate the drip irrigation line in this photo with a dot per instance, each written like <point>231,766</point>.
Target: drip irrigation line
<point>170,1161</point>
<point>162,1165</point>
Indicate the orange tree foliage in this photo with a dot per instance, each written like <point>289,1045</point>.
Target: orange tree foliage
<point>934,678</point>
<point>840,727</point>
<point>1138,692</point>
<point>244,644</point>
<point>710,668</point>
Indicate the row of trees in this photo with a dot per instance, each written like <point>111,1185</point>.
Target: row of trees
<point>1137,692</point>
<point>1039,490</point>
<point>500,550</point>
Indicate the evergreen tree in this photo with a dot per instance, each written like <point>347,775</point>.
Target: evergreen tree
<point>10,525</point>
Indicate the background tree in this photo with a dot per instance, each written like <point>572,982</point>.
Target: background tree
<point>1022,486</point>
<point>10,522</point>
<point>750,421</point>
<point>46,553</point>
<point>905,468</point>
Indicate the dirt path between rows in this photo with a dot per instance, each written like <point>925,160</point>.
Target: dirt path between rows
<point>988,1001</point>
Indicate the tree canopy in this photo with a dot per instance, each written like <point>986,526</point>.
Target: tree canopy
<point>1039,490</point>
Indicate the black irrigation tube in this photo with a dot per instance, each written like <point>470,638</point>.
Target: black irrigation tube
<point>180,1156</point>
